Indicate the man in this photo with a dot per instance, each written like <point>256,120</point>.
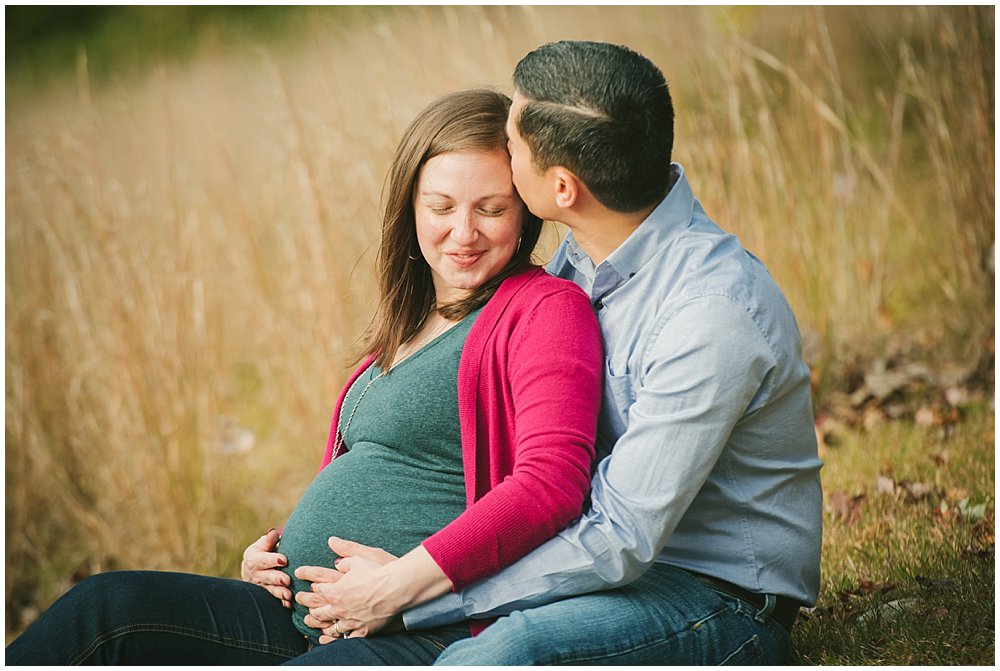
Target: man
<point>704,532</point>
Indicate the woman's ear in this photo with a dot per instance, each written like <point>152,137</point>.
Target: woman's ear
<point>566,186</point>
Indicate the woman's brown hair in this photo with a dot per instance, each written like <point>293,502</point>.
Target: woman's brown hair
<point>466,120</point>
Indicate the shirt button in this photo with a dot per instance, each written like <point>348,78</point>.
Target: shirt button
<point>599,304</point>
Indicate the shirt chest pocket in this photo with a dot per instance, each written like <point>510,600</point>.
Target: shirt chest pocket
<point>618,397</point>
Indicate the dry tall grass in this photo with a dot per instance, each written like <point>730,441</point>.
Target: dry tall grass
<point>189,253</point>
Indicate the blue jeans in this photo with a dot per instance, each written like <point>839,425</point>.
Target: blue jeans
<point>147,617</point>
<point>666,617</point>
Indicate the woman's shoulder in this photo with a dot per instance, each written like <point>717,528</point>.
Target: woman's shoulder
<point>530,293</point>
<point>534,284</point>
<point>533,293</point>
<point>545,310</point>
<point>534,307</point>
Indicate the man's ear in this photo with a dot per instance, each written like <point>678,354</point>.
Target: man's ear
<point>566,186</point>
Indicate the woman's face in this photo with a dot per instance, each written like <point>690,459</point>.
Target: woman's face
<point>468,219</point>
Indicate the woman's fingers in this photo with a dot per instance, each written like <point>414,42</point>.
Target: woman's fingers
<point>271,577</point>
<point>261,556</point>
<point>283,594</point>
<point>264,561</point>
<point>261,566</point>
<point>266,543</point>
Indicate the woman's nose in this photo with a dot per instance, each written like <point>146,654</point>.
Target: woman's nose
<point>464,231</point>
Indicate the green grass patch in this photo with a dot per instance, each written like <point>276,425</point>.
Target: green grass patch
<point>908,548</point>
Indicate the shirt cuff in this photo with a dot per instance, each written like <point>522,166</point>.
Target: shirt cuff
<point>444,610</point>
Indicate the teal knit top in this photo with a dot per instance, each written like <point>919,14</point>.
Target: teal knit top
<point>402,478</point>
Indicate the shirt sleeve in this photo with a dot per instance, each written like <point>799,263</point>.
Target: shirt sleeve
<point>701,371</point>
<point>444,610</point>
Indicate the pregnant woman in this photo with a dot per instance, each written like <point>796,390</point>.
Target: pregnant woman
<point>462,442</point>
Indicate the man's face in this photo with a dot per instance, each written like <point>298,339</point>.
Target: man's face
<point>531,185</point>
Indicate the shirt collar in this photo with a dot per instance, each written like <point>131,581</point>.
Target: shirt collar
<point>671,216</point>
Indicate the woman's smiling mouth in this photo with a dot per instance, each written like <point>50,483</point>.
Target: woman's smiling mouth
<point>465,259</point>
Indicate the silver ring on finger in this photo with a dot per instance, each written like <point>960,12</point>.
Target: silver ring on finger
<point>340,632</point>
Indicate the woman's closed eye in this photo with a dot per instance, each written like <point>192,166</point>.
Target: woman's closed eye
<point>485,211</point>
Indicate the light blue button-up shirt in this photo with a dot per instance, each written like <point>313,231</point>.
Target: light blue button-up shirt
<point>706,406</point>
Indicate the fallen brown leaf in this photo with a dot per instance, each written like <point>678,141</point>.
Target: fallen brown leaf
<point>872,417</point>
<point>829,430</point>
<point>952,417</point>
<point>845,506</point>
<point>885,485</point>
<point>917,491</point>
<point>986,529</point>
<point>941,458</point>
<point>875,585</point>
<point>946,515</point>
<point>926,416</point>
<point>912,491</point>
<point>956,396</point>
<point>896,410</point>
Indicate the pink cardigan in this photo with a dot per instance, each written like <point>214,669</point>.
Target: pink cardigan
<point>529,392</point>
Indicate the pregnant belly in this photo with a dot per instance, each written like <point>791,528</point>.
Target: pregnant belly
<point>370,496</point>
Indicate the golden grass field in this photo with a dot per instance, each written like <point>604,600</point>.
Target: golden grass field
<point>189,247</point>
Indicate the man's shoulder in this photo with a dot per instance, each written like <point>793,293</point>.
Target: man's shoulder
<point>710,261</point>
<point>707,275</point>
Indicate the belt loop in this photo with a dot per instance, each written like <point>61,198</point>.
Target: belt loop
<point>770,601</point>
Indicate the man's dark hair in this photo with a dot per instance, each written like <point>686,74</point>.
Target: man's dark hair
<point>602,111</point>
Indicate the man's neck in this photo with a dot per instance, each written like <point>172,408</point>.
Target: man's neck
<point>601,231</point>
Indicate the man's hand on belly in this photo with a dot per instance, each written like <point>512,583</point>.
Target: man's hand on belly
<point>372,589</point>
<point>323,601</point>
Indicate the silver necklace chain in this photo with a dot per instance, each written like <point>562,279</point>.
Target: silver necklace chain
<point>342,434</point>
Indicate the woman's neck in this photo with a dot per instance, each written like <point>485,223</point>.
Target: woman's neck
<point>433,326</point>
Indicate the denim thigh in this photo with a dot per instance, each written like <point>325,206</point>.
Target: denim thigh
<point>151,617</point>
<point>418,648</point>
<point>666,617</point>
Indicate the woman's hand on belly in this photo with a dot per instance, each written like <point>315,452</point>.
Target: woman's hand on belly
<point>262,566</point>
